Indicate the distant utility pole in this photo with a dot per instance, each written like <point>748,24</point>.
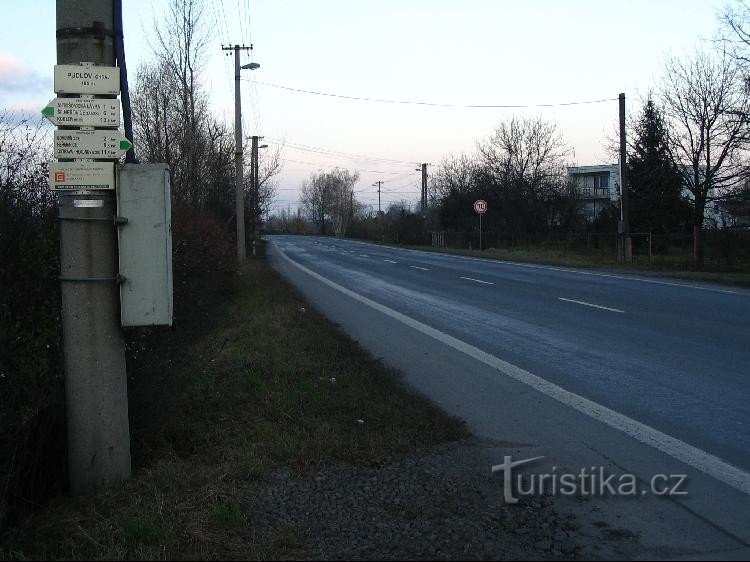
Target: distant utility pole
<point>254,173</point>
<point>93,342</point>
<point>423,168</point>
<point>255,184</point>
<point>626,247</point>
<point>239,203</point>
<point>378,183</point>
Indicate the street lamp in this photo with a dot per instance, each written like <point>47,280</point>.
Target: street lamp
<point>238,153</point>
<point>255,167</point>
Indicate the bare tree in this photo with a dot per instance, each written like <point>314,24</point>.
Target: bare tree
<point>315,197</point>
<point>270,165</point>
<point>734,34</point>
<point>706,103</point>
<point>327,199</point>
<point>528,152</point>
<point>181,47</point>
<point>343,199</point>
<point>174,124</point>
<point>523,165</point>
<point>24,152</point>
<point>453,174</point>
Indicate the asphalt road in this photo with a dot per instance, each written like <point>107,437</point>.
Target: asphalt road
<point>637,374</point>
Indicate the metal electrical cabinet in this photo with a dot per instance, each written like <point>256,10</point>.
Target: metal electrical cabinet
<point>145,244</point>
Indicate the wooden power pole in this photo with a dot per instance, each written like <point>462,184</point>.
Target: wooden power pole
<point>255,183</point>
<point>379,184</point>
<point>626,245</point>
<point>424,188</point>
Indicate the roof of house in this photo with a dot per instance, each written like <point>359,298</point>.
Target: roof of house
<point>593,169</point>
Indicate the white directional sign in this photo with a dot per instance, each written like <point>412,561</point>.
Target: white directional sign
<point>480,206</point>
<point>77,79</point>
<point>90,144</point>
<point>83,112</point>
<point>82,175</point>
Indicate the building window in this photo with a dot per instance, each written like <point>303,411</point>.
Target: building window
<point>601,182</point>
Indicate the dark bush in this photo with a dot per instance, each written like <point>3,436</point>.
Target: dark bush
<point>32,430</point>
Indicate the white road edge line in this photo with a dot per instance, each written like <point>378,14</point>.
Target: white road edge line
<point>417,267</point>
<point>477,280</point>
<point>390,261</point>
<point>683,452</point>
<point>592,305</point>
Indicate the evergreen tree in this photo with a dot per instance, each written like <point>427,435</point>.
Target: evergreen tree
<point>657,202</point>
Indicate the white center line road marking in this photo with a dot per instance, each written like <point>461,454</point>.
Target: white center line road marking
<point>477,280</point>
<point>417,267</point>
<point>390,261</point>
<point>564,270</point>
<point>363,255</point>
<point>684,452</point>
<point>591,305</point>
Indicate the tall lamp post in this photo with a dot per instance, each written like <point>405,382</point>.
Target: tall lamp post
<point>255,183</point>
<point>238,151</point>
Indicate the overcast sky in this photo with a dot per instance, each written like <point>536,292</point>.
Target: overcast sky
<point>488,52</point>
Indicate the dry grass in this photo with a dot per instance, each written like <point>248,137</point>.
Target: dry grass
<point>265,383</point>
<point>678,267</point>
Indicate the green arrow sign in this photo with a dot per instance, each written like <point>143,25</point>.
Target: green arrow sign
<point>90,145</point>
<point>83,112</point>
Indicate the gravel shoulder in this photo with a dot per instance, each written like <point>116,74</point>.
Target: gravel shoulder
<point>442,503</point>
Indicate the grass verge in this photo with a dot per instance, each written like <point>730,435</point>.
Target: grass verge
<point>251,379</point>
<point>673,267</point>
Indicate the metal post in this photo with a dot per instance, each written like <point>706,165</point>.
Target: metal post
<point>93,342</point>
<point>480,232</point>
<point>650,250</point>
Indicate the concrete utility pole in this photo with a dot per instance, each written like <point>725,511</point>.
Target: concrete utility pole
<point>626,246</point>
<point>93,342</point>
<point>239,203</point>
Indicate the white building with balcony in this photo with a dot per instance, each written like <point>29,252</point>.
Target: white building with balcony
<point>597,188</point>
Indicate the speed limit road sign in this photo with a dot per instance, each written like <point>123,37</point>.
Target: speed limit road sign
<point>480,206</point>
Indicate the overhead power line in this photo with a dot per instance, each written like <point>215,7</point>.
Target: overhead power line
<point>335,153</point>
<point>434,104</point>
<point>319,165</point>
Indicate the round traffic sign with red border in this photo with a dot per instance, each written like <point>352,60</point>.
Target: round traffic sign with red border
<point>480,206</point>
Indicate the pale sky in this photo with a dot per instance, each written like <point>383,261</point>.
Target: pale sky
<point>468,52</point>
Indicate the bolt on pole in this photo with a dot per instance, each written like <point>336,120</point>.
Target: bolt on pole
<point>93,341</point>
